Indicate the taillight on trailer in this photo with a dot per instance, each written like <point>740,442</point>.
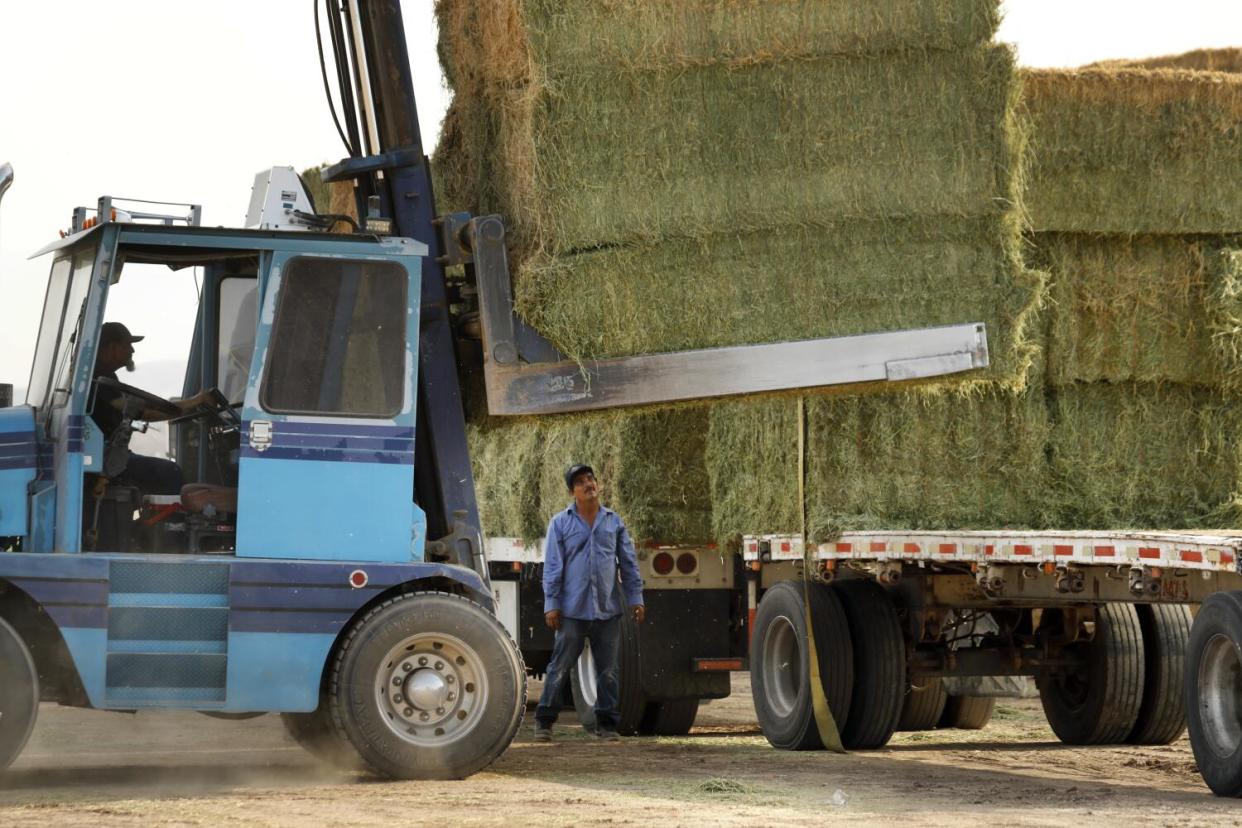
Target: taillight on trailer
<point>687,563</point>
<point>662,563</point>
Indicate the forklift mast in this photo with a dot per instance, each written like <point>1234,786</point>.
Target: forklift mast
<point>387,161</point>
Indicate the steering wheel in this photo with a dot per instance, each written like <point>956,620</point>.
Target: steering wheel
<point>145,397</point>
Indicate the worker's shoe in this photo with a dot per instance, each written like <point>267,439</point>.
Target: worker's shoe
<point>607,734</point>
<point>543,734</point>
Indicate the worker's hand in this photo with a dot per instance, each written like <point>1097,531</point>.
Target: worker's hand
<point>553,619</point>
<point>640,613</point>
<point>199,399</point>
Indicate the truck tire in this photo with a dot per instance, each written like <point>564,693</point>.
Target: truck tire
<point>19,694</point>
<point>315,733</point>
<point>879,664</point>
<point>1100,705</point>
<point>779,666</point>
<point>923,705</point>
<point>1214,692</point>
<point>670,718</point>
<point>427,685</point>
<point>1162,715</point>
<point>967,712</point>
<point>632,703</point>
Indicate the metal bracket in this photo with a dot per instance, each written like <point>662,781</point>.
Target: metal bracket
<point>261,435</point>
<point>524,374</point>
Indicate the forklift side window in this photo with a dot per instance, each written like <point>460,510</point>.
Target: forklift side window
<point>49,330</point>
<point>338,342</point>
<point>238,319</point>
<point>75,313</point>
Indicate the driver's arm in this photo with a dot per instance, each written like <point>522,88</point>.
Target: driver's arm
<point>154,415</point>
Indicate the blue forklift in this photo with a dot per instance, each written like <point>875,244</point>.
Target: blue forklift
<point>324,561</point>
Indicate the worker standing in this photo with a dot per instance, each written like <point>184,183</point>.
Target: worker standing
<point>585,548</point>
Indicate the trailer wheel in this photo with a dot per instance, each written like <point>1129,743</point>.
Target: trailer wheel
<point>1214,692</point>
<point>19,694</point>
<point>879,664</point>
<point>1162,716</point>
<point>779,669</point>
<point>923,705</point>
<point>670,718</point>
<point>632,703</point>
<point>967,712</point>
<point>427,685</point>
<point>1100,705</point>
<point>315,733</point>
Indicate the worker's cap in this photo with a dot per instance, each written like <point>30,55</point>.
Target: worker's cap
<point>575,470</point>
<point>116,332</point>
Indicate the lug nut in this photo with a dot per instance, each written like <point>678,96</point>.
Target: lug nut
<point>423,717</point>
<point>422,661</point>
<point>439,665</point>
<point>409,711</point>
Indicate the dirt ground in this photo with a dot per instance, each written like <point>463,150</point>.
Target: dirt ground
<point>92,768</point>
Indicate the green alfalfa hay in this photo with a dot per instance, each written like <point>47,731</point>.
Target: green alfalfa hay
<point>636,157</point>
<point>1134,151</point>
<point>934,458</point>
<point>796,283</point>
<point>490,43</point>
<point>1200,60</point>
<point>650,465</point>
<point>1140,309</point>
<point>1145,456</point>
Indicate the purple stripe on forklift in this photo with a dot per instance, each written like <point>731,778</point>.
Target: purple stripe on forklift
<point>266,620</point>
<point>79,616</point>
<point>330,455</point>
<point>27,462</point>
<point>17,437</point>
<point>18,450</point>
<point>344,429</point>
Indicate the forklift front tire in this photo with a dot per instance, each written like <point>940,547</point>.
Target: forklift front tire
<point>19,694</point>
<point>427,685</point>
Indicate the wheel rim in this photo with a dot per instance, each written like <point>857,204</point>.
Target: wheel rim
<point>587,676</point>
<point>432,689</point>
<point>1220,688</point>
<point>782,666</point>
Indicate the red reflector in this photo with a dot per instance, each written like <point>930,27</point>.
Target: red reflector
<point>989,549</point>
<point>911,549</point>
<point>1021,549</point>
<point>1104,551</point>
<point>845,547</point>
<point>1226,558</point>
<point>1062,550</point>
<point>785,547</point>
<point>752,547</point>
<point>948,549</point>
<point>879,546</point>
<point>358,579</point>
<point>1191,556</point>
<point>1149,552</point>
<point>702,665</point>
<point>662,563</point>
<point>687,563</point>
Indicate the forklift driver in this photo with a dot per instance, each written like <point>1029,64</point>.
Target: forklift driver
<point>150,475</point>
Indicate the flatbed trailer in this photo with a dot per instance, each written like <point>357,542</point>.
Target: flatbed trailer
<point>919,629</point>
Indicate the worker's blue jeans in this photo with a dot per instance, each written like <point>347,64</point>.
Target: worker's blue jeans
<point>605,637</point>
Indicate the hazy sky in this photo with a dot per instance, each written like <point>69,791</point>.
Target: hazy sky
<point>186,101</point>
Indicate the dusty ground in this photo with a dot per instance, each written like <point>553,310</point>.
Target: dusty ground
<point>85,767</point>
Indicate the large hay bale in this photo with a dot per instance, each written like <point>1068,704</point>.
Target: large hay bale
<point>506,42</point>
<point>915,460</point>
<point>1135,151</point>
<point>1145,456</point>
<point>622,157</point>
<point>1140,308</point>
<point>799,283</point>
<point>650,465</point>
<point>1201,60</point>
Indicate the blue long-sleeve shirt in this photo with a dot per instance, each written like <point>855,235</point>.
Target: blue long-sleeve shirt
<point>580,565</point>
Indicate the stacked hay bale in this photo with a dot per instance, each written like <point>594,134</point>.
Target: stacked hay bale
<point>693,173</point>
<point>1132,200</point>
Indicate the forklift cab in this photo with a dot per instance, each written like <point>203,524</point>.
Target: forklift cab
<point>307,343</point>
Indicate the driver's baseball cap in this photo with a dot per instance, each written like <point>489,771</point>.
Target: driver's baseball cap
<point>116,332</point>
<point>575,470</point>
